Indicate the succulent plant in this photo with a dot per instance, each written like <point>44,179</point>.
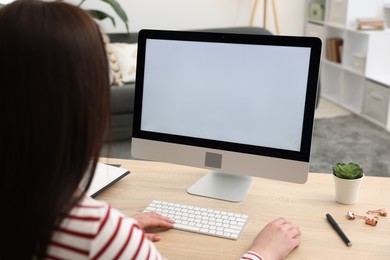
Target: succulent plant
<point>347,170</point>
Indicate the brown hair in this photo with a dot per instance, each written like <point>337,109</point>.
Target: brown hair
<point>55,107</point>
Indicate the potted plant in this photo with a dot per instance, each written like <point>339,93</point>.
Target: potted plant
<point>100,15</point>
<point>347,177</point>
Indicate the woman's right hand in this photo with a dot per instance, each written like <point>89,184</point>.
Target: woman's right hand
<point>276,240</point>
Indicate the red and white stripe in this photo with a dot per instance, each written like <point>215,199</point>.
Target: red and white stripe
<point>250,255</point>
<point>93,230</point>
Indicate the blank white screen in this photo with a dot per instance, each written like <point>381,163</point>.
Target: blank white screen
<point>247,94</point>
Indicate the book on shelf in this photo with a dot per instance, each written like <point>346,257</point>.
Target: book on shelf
<point>370,23</point>
<point>334,49</point>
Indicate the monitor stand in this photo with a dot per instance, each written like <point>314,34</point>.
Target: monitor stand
<point>223,186</point>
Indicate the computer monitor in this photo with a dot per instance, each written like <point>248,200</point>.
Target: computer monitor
<point>239,105</point>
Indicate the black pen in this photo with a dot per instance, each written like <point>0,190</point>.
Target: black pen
<point>338,229</point>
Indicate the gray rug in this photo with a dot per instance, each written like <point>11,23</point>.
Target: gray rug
<point>350,138</point>
<point>340,139</point>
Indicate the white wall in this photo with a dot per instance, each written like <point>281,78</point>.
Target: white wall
<point>290,14</point>
<point>197,14</point>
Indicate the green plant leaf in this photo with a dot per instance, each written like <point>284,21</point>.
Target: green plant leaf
<point>99,15</point>
<point>348,170</point>
<point>119,11</point>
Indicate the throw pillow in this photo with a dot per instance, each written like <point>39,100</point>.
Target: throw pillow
<point>126,55</point>
<point>115,73</point>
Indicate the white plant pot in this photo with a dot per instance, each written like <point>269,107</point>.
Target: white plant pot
<point>347,191</point>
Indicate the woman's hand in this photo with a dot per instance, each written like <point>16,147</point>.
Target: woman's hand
<point>149,221</point>
<point>277,239</point>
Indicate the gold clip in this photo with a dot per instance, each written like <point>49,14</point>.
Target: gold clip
<point>368,221</point>
<point>352,216</point>
<point>372,221</point>
<point>381,212</point>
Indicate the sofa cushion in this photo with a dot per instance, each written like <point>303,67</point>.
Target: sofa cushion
<point>122,98</point>
<point>239,30</point>
<point>124,37</point>
<point>126,57</point>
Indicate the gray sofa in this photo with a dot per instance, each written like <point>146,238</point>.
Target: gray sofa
<point>122,97</point>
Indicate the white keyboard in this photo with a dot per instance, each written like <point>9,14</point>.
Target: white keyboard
<point>201,220</point>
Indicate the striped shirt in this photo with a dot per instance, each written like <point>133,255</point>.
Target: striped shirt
<point>250,255</point>
<point>93,230</point>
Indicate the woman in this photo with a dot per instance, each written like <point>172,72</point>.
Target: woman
<point>54,112</point>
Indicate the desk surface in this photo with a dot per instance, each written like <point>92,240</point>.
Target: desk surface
<point>305,205</point>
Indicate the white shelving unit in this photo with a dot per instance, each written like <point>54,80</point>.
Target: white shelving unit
<point>361,82</point>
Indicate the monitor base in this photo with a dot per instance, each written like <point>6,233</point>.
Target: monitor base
<point>222,186</point>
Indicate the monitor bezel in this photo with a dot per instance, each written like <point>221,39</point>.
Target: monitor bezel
<point>310,101</point>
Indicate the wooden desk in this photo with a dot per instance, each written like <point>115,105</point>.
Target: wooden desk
<point>305,205</point>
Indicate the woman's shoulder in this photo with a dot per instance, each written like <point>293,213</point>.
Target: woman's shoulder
<point>93,209</point>
<point>93,217</point>
<point>88,202</point>
<point>86,231</point>
<point>88,206</point>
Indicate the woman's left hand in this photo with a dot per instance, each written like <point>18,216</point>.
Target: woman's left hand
<point>152,220</point>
